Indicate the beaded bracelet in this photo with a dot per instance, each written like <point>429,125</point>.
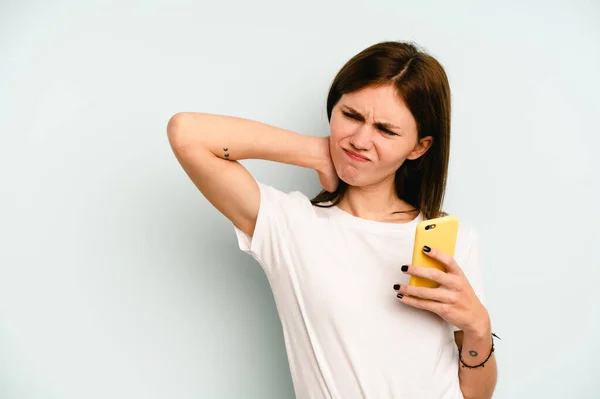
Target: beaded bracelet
<point>482,364</point>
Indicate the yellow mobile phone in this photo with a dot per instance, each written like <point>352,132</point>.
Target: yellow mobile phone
<point>439,233</point>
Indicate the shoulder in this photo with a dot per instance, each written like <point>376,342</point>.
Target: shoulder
<point>468,256</point>
<point>288,196</point>
<point>467,232</point>
<point>292,203</point>
<point>467,240</point>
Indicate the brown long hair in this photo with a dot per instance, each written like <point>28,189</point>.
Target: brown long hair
<point>422,84</point>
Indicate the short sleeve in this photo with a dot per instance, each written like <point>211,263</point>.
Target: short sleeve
<point>278,212</point>
<point>471,266</point>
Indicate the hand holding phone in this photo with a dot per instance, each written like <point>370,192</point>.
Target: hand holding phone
<point>439,233</point>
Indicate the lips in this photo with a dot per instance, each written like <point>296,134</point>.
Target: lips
<point>355,156</point>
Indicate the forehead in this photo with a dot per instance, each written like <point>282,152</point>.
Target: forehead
<point>380,102</point>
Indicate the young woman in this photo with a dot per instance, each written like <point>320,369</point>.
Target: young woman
<point>338,264</point>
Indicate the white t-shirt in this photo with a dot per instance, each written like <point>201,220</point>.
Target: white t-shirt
<point>346,334</point>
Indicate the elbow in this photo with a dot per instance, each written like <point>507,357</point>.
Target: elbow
<point>175,128</point>
<point>469,394</point>
<point>477,395</point>
<point>188,130</point>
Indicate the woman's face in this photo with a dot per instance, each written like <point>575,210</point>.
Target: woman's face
<point>372,133</point>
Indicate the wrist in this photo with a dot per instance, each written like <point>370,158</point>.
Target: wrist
<point>322,155</point>
<point>481,326</point>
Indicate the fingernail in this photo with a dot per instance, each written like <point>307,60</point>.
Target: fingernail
<point>400,296</point>
<point>396,287</point>
<point>426,248</point>
<point>404,268</point>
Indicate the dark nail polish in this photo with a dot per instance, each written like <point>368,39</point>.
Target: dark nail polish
<point>404,268</point>
<point>396,287</point>
<point>426,248</point>
<point>400,296</point>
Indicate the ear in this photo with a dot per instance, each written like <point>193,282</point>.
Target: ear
<point>421,148</point>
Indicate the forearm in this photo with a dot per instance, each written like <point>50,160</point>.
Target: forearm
<point>478,383</point>
<point>234,138</point>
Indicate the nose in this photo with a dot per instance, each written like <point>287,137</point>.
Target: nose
<point>361,140</point>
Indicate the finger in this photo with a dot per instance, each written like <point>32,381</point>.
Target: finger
<point>430,273</point>
<point>425,304</point>
<point>439,294</point>
<point>444,258</point>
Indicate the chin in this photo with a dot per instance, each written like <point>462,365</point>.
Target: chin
<point>356,178</point>
<point>349,174</point>
<point>355,181</point>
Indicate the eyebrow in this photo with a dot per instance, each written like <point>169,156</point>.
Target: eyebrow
<point>386,125</point>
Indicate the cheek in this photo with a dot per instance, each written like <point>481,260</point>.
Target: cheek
<point>337,129</point>
<point>391,157</point>
<point>339,135</point>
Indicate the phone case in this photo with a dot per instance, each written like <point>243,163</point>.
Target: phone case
<point>442,236</point>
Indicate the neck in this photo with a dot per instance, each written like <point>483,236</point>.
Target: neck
<point>376,202</point>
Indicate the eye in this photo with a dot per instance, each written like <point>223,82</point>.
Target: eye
<point>351,116</point>
<point>358,118</point>
<point>388,132</point>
